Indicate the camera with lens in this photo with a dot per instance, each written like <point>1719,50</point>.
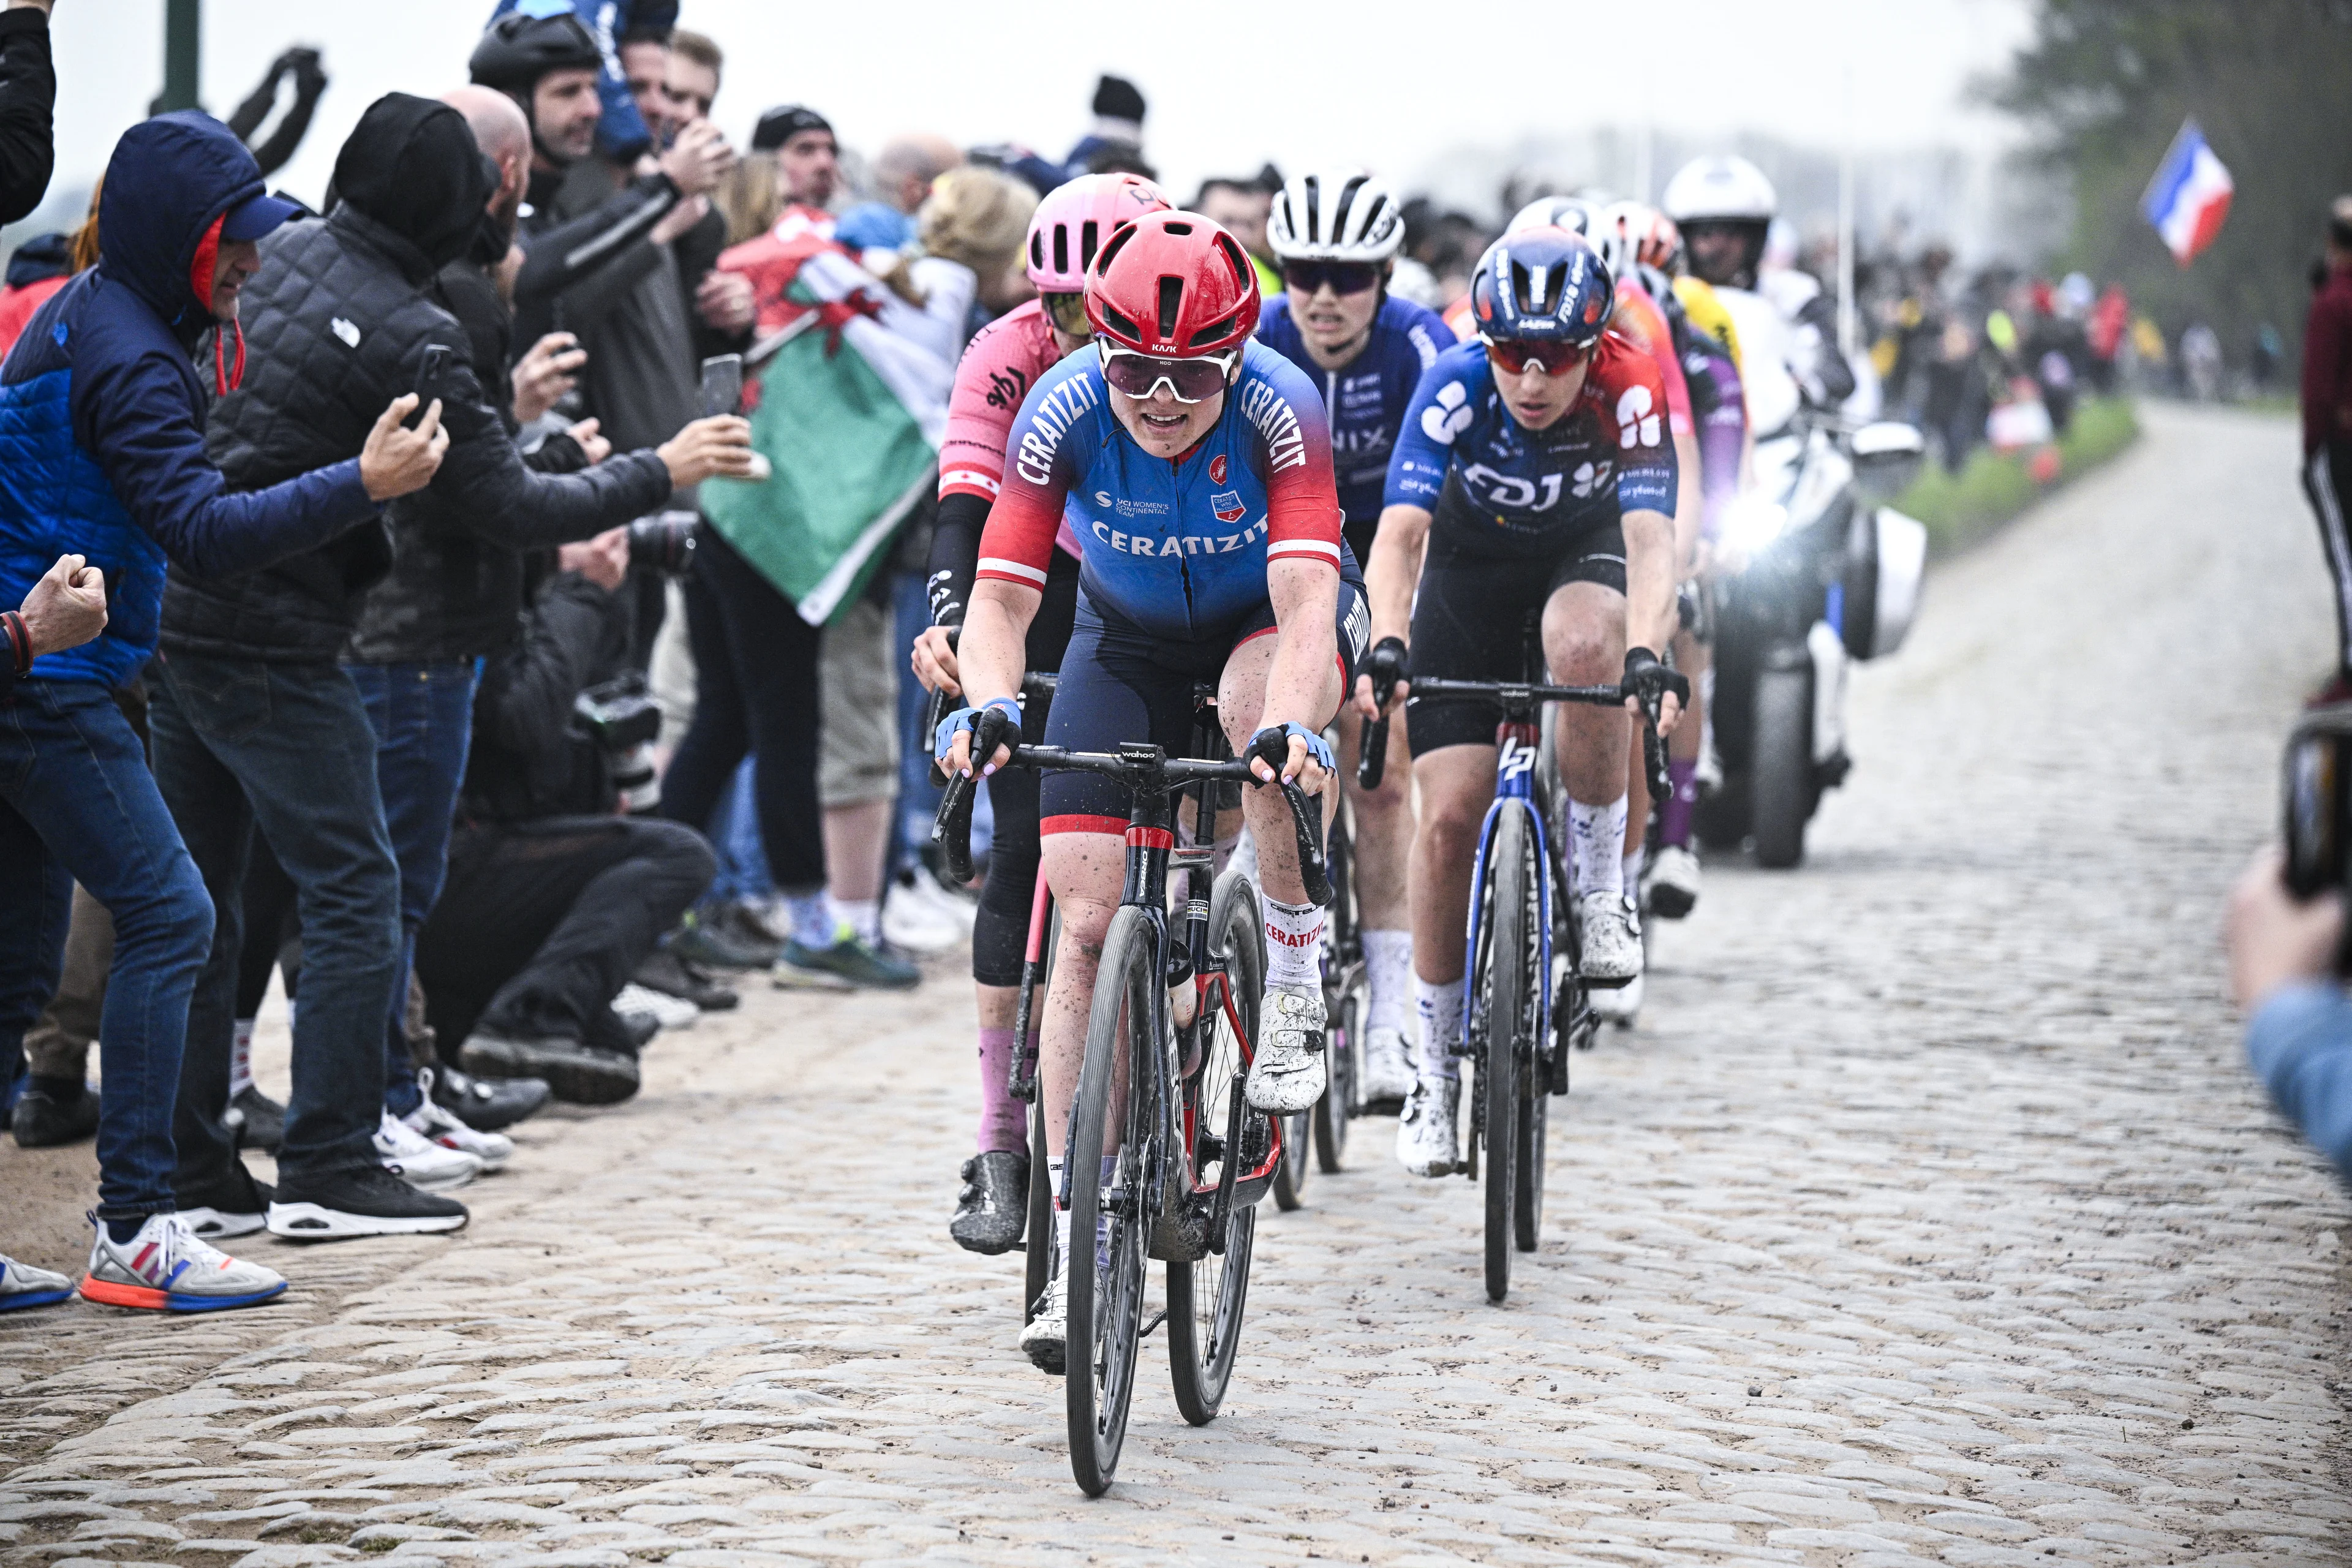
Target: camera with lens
<point>663,542</point>
<point>624,721</point>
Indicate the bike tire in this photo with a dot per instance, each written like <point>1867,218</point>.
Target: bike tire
<point>1106,1279</point>
<point>1342,1051</point>
<point>1505,988</point>
<point>1206,1298</point>
<point>1527,1201</point>
<point>1781,779</point>
<point>1039,1259</point>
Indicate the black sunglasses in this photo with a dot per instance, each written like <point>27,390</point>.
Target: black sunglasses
<point>1345,277</point>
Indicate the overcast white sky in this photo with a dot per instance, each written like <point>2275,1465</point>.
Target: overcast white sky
<point>1243,82</point>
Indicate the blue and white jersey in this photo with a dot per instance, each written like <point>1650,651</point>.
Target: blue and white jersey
<point>1366,400</point>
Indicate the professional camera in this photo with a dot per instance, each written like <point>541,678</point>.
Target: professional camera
<point>664,542</point>
<point>624,721</point>
<point>2317,797</point>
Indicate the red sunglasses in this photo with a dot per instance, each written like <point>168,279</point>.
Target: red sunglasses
<point>1520,355</point>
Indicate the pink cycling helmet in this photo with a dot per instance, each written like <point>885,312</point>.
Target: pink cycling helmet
<point>1074,219</point>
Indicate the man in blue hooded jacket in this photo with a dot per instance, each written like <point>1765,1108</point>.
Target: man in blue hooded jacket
<point>102,454</point>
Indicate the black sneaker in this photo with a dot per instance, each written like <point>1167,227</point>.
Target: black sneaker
<point>366,1201</point>
<point>639,1028</point>
<point>717,939</point>
<point>995,1201</point>
<point>487,1104</point>
<point>44,1120</point>
<point>232,1204</point>
<point>665,972</point>
<point>258,1122</point>
<point>579,1074</point>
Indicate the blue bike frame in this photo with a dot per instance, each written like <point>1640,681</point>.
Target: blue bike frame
<point>1518,742</point>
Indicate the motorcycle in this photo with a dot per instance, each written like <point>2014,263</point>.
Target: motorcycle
<point>1826,573</point>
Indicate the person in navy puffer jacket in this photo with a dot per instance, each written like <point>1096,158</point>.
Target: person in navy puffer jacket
<point>102,454</point>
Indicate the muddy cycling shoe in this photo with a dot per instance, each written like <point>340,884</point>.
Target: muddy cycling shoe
<point>1388,1069</point>
<point>996,1197</point>
<point>1671,885</point>
<point>1620,1005</point>
<point>51,1119</point>
<point>487,1104</point>
<point>1427,1143</point>
<point>22,1284</point>
<point>1045,1338</point>
<point>258,1120</point>
<point>1287,1075</point>
<point>1612,934</point>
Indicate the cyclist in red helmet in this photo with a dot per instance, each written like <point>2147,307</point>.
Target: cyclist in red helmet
<point>1195,467</point>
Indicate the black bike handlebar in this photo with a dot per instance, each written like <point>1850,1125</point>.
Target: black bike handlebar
<point>1654,750</point>
<point>1146,767</point>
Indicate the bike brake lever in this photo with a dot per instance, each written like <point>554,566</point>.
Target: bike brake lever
<point>1306,818</point>
<point>1374,745</point>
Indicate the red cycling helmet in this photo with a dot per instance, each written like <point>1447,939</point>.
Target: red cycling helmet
<point>1172,285</point>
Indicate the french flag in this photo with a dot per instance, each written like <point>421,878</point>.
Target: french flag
<point>2190,195</point>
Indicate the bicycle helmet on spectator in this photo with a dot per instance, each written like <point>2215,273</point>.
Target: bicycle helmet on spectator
<point>1573,213</point>
<point>1172,285</point>
<point>1074,219</point>
<point>1541,285</point>
<point>1340,214</point>
<point>526,44</point>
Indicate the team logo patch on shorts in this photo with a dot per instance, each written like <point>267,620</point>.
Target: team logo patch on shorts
<point>1228,505</point>
<point>1217,472</point>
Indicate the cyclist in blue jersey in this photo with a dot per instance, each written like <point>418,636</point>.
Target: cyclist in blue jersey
<point>1337,233</point>
<point>1196,467</point>
<point>1534,475</point>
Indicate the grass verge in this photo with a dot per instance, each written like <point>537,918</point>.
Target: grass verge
<point>1992,487</point>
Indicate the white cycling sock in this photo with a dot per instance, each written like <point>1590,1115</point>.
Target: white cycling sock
<point>240,1059</point>
<point>1596,840</point>
<point>812,918</point>
<point>1440,1007</point>
<point>1632,863</point>
<point>1388,974</point>
<point>1293,944</point>
<point>862,916</point>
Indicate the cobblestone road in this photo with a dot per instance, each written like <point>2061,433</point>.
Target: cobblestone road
<point>1928,1217</point>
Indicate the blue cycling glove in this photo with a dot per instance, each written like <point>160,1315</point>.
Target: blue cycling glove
<point>964,719</point>
<point>1272,743</point>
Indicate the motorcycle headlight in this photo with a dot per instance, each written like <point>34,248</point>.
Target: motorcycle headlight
<point>1752,523</point>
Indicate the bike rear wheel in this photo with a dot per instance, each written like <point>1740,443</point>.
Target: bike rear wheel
<point>1338,1106</point>
<point>1108,1226</point>
<point>1205,1299</point>
<point>1506,990</point>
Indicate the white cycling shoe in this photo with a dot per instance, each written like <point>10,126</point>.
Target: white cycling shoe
<point>1427,1142</point>
<point>1286,1076</point>
<point>1673,882</point>
<point>1044,1338</point>
<point>1388,1066</point>
<point>1611,935</point>
<point>1620,1005</point>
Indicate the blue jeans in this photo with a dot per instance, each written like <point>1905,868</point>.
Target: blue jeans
<point>287,748</point>
<point>423,715</point>
<point>78,805</point>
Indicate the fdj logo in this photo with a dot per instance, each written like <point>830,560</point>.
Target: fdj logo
<point>1518,758</point>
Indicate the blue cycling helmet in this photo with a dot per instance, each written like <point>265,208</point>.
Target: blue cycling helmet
<point>1546,285</point>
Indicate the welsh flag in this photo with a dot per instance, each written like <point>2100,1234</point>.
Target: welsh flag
<point>846,389</point>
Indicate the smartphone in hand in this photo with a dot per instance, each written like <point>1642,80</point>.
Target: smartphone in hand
<point>432,378</point>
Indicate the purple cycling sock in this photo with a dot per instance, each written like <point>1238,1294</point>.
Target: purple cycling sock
<point>1675,817</point>
<point>1003,1120</point>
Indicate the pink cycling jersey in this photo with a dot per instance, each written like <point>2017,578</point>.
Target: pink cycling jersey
<point>1003,363</point>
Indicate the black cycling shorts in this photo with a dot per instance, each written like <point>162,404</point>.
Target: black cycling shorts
<point>1118,684</point>
<point>1470,623</point>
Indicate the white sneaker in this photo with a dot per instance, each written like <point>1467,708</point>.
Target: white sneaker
<point>1286,1076</point>
<point>1612,934</point>
<point>1620,1005</point>
<point>1709,773</point>
<point>418,1161</point>
<point>22,1284</point>
<point>1388,1066</point>
<point>1672,883</point>
<point>669,1011</point>
<point>919,922</point>
<point>1044,1338</point>
<point>431,1121</point>
<point>1427,1135</point>
<point>165,1269</point>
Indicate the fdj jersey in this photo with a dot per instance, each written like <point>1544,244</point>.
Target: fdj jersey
<point>1178,549</point>
<point>1498,488</point>
<point>1365,398</point>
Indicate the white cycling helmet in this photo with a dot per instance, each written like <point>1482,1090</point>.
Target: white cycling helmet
<point>1573,213</point>
<point>1336,214</point>
<point>1722,190</point>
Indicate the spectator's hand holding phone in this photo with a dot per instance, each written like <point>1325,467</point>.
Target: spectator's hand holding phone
<point>544,375</point>
<point>2274,939</point>
<point>603,560</point>
<point>698,159</point>
<point>67,607</point>
<point>709,449</point>
<point>397,460</point>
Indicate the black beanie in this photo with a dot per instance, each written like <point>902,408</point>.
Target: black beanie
<point>1116,98</point>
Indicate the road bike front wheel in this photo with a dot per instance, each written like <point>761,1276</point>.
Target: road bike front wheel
<point>1205,1299</point>
<point>1507,994</point>
<point>1109,1159</point>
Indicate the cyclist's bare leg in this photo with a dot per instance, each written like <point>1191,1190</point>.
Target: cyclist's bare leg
<point>1584,644</point>
<point>1241,700</point>
<point>1457,785</point>
<point>1383,823</point>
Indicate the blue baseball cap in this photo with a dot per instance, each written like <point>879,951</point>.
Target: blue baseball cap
<point>256,216</point>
